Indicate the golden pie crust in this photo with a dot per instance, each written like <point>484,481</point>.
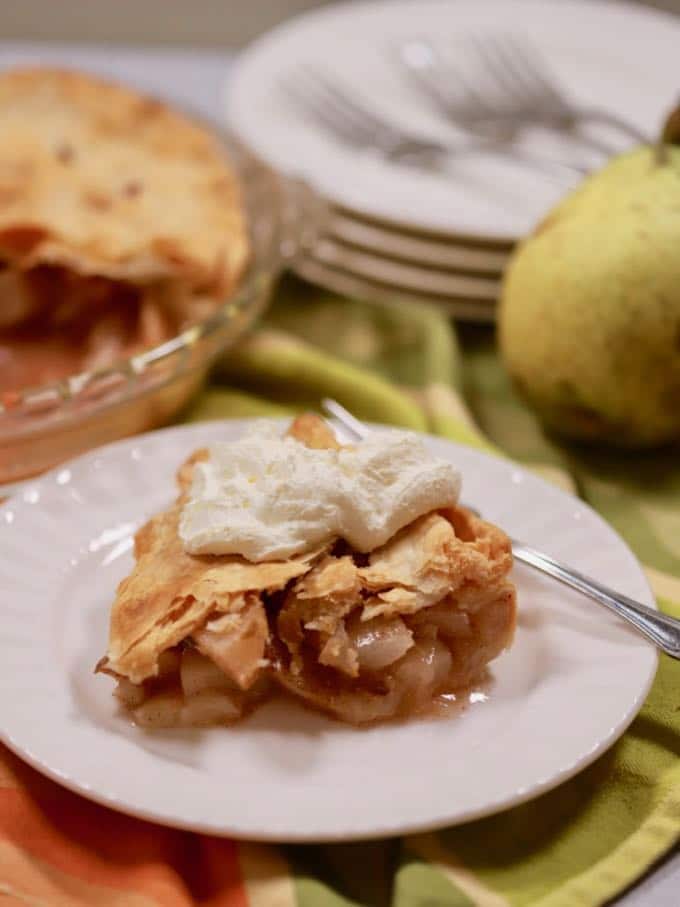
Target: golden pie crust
<point>101,180</point>
<point>362,637</point>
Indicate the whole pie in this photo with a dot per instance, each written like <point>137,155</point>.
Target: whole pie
<point>120,223</point>
<point>362,636</point>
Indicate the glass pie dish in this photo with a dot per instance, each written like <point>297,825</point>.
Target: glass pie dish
<point>44,425</point>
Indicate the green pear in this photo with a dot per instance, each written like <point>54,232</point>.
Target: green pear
<point>590,310</point>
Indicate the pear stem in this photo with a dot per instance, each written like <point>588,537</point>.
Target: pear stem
<point>670,135</point>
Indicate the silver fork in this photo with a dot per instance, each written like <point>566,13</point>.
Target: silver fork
<point>355,124</point>
<point>660,629</point>
<point>508,87</point>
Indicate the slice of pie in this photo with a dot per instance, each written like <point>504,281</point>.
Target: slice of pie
<point>365,637</point>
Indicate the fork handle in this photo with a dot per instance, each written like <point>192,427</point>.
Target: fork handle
<point>597,114</point>
<point>662,630</point>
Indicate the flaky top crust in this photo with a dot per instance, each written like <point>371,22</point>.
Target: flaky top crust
<point>102,180</point>
<point>170,594</point>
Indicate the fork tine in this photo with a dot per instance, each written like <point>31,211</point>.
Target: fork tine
<point>509,64</point>
<point>349,422</point>
<point>503,80</point>
<point>433,75</point>
<point>530,58</point>
<point>335,107</point>
<point>479,104</point>
<point>363,116</point>
<point>339,113</point>
<point>311,104</point>
<point>469,98</point>
<point>336,125</point>
<point>439,91</point>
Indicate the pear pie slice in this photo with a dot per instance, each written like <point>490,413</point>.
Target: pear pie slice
<point>199,640</point>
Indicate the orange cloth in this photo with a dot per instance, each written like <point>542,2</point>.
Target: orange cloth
<point>59,850</point>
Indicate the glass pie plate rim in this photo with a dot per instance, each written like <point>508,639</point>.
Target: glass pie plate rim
<point>282,216</point>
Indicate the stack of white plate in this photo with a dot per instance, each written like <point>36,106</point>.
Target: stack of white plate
<point>442,235</point>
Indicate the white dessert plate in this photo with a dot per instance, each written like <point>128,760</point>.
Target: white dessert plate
<point>370,289</point>
<point>570,685</point>
<point>418,248</point>
<point>406,275</point>
<point>613,55</point>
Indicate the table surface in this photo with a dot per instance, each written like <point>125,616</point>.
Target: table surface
<point>196,79</point>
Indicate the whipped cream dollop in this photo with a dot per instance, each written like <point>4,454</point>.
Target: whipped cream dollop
<point>268,497</point>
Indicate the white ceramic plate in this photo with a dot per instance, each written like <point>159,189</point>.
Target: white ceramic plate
<point>569,686</point>
<point>347,283</point>
<point>406,275</point>
<point>420,249</point>
<point>618,56</point>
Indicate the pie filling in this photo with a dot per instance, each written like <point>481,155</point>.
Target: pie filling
<point>364,638</point>
<point>55,322</point>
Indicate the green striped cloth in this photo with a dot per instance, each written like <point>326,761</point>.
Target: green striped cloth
<point>586,841</point>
